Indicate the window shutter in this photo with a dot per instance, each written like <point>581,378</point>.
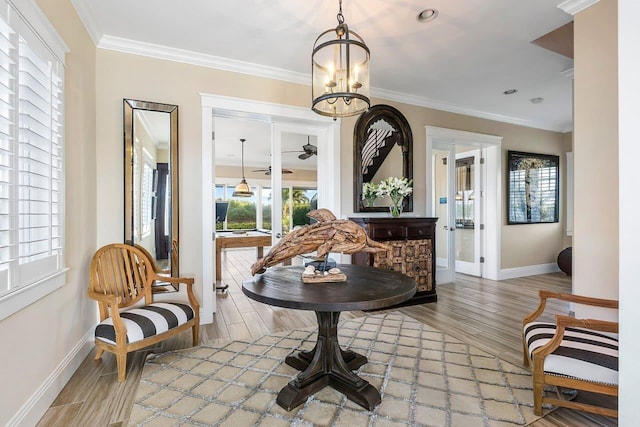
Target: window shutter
<point>31,154</point>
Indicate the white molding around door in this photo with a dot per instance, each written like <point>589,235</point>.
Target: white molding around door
<point>493,215</point>
<point>325,128</point>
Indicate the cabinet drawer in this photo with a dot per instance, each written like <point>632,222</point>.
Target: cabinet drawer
<point>387,232</point>
<point>418,231</point>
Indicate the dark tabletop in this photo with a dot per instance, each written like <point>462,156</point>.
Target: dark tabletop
<point>366,288</point>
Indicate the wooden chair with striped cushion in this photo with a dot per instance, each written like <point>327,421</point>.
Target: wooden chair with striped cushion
<point>576,354</point>
<point>120,279</point>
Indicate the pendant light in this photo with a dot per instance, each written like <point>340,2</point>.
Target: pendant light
<point>340,72</point>
<point>242,189</point>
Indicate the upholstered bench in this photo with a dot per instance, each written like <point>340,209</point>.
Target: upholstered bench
<point>580,354</point>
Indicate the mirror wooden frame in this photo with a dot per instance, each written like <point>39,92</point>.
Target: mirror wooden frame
<point>395,119</point>
<point>129,107</point>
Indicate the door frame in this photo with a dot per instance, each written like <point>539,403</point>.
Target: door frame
<point>326,128</point>
<point>492,178</point>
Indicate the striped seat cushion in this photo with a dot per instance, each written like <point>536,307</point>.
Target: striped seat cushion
<point>583,354</point>
<point>146,321</point>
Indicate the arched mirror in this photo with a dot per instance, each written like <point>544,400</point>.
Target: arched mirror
<point>383,147</point>
<point>151,180</point>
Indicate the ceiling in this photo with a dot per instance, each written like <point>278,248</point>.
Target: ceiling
<point>257,145</point>
<point>463,61</point>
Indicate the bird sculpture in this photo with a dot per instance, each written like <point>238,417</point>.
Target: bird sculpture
<point>327,235</point>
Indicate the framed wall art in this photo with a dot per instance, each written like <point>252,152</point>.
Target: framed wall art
<point>532,188</point>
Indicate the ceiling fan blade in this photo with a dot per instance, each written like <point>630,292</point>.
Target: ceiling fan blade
<point>305,155</point>
<point>268,171</point>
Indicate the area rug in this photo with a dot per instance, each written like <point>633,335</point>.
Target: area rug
<point>425,378</point>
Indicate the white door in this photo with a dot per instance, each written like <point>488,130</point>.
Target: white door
<point>468,212</point>
<point>443,207</point>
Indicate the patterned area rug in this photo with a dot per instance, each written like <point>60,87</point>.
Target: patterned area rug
<point>425,377</point>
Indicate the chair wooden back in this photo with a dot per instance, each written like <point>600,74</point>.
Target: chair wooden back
<point>121,270</point>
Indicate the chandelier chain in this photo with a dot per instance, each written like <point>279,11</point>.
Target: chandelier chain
<point>340,16</point>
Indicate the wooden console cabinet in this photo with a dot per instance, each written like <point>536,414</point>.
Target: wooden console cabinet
<point>413,251</point>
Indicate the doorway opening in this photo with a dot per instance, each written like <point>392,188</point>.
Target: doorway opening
<point>464,180</point>
<point>283,128</point>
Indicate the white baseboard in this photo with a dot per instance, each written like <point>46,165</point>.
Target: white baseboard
<point>529,270</point>
<point>35,407</point>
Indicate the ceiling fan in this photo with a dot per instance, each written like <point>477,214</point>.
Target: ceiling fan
<point>268,171</point>
<point>307,151</point>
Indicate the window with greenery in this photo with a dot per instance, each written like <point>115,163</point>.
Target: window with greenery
<point>243,212</point>
<point>532,188</point>
<point>31,156</point>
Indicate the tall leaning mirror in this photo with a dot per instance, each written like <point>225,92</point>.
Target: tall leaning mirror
<point>151,181</point>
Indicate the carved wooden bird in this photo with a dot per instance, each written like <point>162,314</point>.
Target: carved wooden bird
<point>327,235</point>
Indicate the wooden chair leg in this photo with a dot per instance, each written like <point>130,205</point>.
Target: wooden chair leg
<point>525,356</point>
<point>196,334</point>
<point>121,361</point>
<point>99,353</point>
<point>538,388</point>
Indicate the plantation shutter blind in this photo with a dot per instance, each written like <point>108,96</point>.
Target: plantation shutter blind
<point>31,155</point>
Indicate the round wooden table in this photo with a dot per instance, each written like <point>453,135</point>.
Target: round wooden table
<point>366,288</point>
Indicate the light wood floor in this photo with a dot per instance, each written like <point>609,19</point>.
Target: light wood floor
<point>481,312</point>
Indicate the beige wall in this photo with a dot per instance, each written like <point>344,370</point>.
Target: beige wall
<point>38,338</point>
<point>119,76</point>
<point>122,75</point>
<point>595,242</point>
<point>522,245</point>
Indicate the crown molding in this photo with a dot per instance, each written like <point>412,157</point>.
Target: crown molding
<point>201,59</point>
<point>87,20</point>
<point>458,109</point>
<point>574,6</point>
<point>194,58</point>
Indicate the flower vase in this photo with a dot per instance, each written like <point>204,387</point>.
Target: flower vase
<point>370,201</point>
<point>395,208</point>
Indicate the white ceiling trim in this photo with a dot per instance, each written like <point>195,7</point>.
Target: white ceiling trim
<point>194,58</point>
<point>87,20</point>
<point>201,59</point>
<point>574,6</point>
<point>452,108</point>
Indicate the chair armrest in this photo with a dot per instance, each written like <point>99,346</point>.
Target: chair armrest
<point>578,299</point>
<point>111,300</point>
<point>187,281</point>
<point>594,324</point>
<point>177,280</point>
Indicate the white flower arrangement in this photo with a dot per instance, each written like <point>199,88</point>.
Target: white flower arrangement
<point>370,191</point>
<point>396,188</point>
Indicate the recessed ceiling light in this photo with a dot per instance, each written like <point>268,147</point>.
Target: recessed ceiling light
<point>427,15</point>
<point>536,100</point>
<point>510,91</point>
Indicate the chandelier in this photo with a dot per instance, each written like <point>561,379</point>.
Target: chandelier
<point>242,189</point>
<point>340,72</point>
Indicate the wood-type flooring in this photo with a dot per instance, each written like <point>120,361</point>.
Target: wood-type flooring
<point>481,312</point>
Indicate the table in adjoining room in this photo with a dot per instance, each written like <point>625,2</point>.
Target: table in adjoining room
<point>366,288</point>
<point>246,239</point>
